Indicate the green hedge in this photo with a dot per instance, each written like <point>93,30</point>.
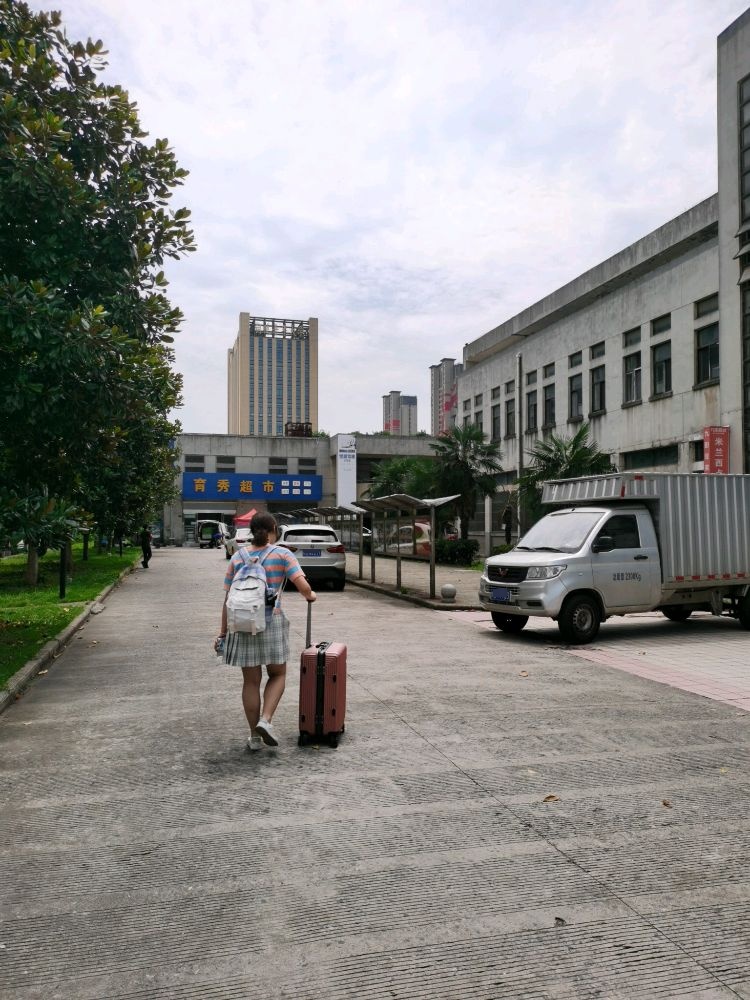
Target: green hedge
<point>459,552</point>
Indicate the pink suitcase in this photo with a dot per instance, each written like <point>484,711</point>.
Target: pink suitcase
<point>322,690</point>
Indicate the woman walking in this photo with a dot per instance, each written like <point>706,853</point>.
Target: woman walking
<point>270,647</point>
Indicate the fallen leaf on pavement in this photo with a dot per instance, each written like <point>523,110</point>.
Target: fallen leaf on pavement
<point>43,672</point>
<point>524,673</point>
<point>550,798</point>
<point>559,922</point>
<point>667,803</point>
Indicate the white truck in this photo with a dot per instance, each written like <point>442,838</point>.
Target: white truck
<point>671,542</point>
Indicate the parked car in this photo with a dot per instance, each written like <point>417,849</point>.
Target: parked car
<point>237,540</point>
<point>412,538</point>
<point>319,552</point>
<point>210,534</point>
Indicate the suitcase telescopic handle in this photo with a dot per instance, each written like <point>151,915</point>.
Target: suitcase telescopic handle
<point>308,635</point>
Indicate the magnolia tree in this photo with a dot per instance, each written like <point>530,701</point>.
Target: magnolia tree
<point>86,384</point>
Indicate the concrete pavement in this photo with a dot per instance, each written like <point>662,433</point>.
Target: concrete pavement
<point>502,819</point>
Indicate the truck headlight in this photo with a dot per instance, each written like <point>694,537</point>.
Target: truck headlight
<point>544,572</point>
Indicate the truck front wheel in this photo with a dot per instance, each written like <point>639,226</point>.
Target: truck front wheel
<point>579,620</point>
<point>677,612</point>
<point>509,623</point>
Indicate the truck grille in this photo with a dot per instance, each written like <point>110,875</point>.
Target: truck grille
<point>507,574</point>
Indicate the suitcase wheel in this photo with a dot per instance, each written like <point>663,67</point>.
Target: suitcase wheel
<point>333,740</point>
<point>302,740</point>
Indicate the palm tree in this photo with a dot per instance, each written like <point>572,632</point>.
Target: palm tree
<point>467,464</point>
<point>559,458</point>
<point>414,476</point>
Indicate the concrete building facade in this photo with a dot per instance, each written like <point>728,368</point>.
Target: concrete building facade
<point>443,395</point>
<point>222,475</point>
<point>400,414</point>
<point>652,346</point>
<point>272,376</point>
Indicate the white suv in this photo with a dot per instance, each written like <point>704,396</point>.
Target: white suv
<point>318,550</point>
<point>239,538</point>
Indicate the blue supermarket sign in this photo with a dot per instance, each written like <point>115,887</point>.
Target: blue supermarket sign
<point>250,486</point>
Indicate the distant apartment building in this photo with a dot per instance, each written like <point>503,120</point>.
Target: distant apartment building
<point>443,395</point>
<point>400,414</point>
<point>272,377</point>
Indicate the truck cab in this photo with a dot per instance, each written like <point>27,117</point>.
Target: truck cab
<point>577,565</point>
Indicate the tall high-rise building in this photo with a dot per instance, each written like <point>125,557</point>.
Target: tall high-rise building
<point>272,377</point>
<point>443,395</point>
<point>400,414</point>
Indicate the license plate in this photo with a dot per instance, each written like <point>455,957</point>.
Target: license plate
<point>500,594</point>
<point>311,553</point>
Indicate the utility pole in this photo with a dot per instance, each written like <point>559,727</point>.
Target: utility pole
<point>519,433</point>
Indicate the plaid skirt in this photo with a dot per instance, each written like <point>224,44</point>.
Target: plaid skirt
<point>271,646</point>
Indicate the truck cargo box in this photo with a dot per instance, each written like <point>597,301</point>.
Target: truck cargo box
<point>702,522</point>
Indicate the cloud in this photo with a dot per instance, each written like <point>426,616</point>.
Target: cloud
<point>411,173</point>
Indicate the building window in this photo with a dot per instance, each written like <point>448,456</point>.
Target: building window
<point>479,420</point>
<point>467,405</point>
<point>631,337</point>
<point>277,466</point>
<point>598,404</point>
<point>574,360</point>
<point>575,397</point>
<point>307,466</point>
<point>704,307</point>
<point>662,324</point>
<point>744,119</point>
<point>195,463</point>
<point>496,392</point>
<point>510,386</point>
<point>597,350</point>
<point>631,384</point>
<point>661,368</point>
<point>531,410</point>
<point>478,400</point>
<point>707,354</point>
<point>496,422</point>
<point>696,451</point>
<point>224,463</point>
<point>647,458</point>
<point>549,406</point>
<point>549,370</point>
<point>531,378</point>
<point>510,418</point>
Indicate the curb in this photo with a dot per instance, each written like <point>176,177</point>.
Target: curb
<point>423,602</point>
<point>21,679</point>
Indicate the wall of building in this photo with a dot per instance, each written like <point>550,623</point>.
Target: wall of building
<point>211,453</point>
<point>665,273</point>
<point>733,67</point>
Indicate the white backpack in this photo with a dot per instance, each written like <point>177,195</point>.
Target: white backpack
<point>249,596</point>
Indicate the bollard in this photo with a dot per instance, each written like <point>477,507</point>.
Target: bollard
<point>448,593</point>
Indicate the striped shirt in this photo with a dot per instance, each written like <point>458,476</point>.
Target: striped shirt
<point>279,563</point>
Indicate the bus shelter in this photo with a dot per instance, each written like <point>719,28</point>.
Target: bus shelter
<point>402,504</point>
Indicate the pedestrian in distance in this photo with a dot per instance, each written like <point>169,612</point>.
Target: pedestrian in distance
<point>145,546</point>
<point>507,519</point>
<point>271,646</point>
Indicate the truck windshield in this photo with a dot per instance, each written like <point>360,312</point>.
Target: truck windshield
<point>563,531</point>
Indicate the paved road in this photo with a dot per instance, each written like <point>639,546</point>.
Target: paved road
<point>503,819</point>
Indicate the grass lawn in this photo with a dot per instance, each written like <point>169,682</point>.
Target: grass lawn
<point>31,616</point>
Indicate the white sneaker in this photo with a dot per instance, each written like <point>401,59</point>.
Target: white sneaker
<point>267,734</point>
<point>254,743</point>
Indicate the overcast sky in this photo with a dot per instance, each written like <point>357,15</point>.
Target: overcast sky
<point>412,173</point>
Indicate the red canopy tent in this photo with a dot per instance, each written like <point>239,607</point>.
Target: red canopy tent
<point>243,520</point>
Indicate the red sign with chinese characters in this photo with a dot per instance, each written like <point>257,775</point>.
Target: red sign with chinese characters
<point>716,450</point>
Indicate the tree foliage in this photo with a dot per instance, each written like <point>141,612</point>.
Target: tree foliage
<point>414,476</point>
<point>466,464</point>
<point>86,383</point>
<point>557,457</point>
